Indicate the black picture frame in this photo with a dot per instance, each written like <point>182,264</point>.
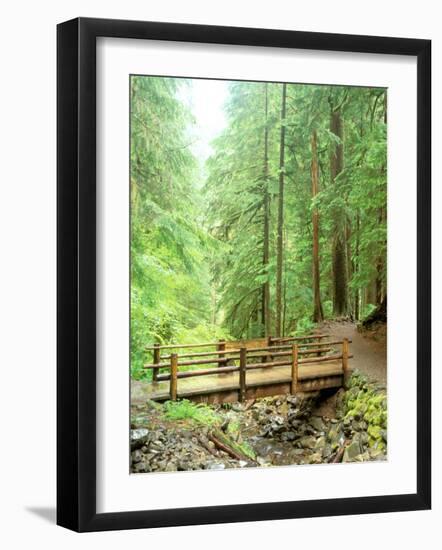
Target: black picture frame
<point>77,287</point>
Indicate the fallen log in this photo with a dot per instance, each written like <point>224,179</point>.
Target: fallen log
<point>228,446</point>
<point>225,448</point>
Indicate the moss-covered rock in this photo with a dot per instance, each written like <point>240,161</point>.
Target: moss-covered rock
<point>365,409</point>
<point>375,432</point>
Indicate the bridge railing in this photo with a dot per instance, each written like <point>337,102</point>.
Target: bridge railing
<point>299,352</point>
<point>222,348</point>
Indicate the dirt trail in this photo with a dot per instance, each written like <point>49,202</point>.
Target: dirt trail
<point>370,356</point>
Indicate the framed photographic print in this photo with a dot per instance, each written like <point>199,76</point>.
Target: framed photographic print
<point>243,274</point>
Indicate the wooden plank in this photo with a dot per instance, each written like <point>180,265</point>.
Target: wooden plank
<point>320,371</point>
<point>173,376</point>
<point>320,384</point>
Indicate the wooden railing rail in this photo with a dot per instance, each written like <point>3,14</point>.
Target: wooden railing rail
<point>287,353</point>
<point>250,366</point>
<point>195,373</point>
<point>271,341</point>
<point>268,348</point>
<point>312,360</point>
<point>297,338</point>
<point>181,346</point>
<point>235,356</point>
<point>222,356</point>
<point>273,348</point>
<point>203,353</point>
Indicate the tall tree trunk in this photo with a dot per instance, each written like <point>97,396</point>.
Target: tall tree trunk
<point>356,267</point>
<point>284,303</point>
<point>370,293</point>
<point>339,245</point>
<point>265,314</point>
<point>279,251</point>
<point>350,266</point>
<point>379,282</point>
<point>318,314</point>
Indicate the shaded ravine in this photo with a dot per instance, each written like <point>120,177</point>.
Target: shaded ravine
<point>344,426</point>
<point>281,430</point>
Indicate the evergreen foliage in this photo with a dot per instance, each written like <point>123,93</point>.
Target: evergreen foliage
<point>198,266</point>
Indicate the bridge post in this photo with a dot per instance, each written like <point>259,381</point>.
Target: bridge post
<point>221,346</point>
<point>242,373</point>
<point>345,371</point>
<point>294,384</point>
<point>156,361</point>
<point>270,344</point>
<point>173,376</point>
<point>318,354</point>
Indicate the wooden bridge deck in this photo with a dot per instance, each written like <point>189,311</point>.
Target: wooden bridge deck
<point>225,387</point>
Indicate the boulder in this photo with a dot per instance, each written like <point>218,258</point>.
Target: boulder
<point>351,452</point>
<point>326,452</point>
<point>315,458</point>
<point>137,456</point>
<point>320,442</point>
<point>138,438</point>
<point>141,468</point>
<point>307,442</point>
<point>335,437</point>
<point>317,423</point>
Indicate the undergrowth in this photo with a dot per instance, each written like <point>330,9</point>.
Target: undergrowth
<point>186,410</point>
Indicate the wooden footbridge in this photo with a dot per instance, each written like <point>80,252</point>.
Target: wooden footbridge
<point>244,369</point>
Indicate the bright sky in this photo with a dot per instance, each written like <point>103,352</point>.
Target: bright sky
<point>206,99</point>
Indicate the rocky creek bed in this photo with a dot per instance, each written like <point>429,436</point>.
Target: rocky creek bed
<point>345,426</point>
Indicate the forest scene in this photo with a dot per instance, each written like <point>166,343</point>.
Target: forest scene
<point>258,274</point>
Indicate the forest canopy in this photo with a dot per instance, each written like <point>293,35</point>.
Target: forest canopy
<point>282,226</point>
